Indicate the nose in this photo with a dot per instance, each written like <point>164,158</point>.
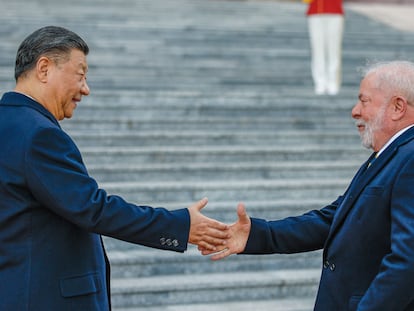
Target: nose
<point>356,111</point>
<point>85,89</point>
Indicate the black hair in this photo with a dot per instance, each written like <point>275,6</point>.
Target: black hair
<point>52,41</point>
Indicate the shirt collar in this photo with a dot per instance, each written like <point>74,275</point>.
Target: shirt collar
<point>398,134</point>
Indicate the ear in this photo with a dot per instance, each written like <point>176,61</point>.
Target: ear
<point>399,107</point>
<point>42,68</point>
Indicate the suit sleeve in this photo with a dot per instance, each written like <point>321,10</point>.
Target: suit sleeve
<point>59,181</point>
<point>293,234</point>
<point>391,289</point>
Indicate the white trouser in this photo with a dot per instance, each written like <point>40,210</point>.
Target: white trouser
<point>325,33</point>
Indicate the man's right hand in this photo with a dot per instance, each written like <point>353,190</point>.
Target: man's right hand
<point>239,233</point>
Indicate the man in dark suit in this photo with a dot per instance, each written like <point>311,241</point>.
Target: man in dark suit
<point>367,234</point>
<point>52,213</point>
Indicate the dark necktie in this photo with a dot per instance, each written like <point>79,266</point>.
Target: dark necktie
<point>374,157</point>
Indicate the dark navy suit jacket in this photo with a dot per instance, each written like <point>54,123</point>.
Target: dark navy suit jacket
<point>367,236</point>
<point>52,216</point>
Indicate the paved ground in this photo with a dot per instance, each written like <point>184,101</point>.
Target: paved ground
<point>399,16</point>
<point>396,13</point>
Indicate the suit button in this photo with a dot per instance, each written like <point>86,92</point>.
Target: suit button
<point>162,241</point>
<point>326,264</point>
<point>175,243</point>
<point>332,267</point>
<point>168,242</point>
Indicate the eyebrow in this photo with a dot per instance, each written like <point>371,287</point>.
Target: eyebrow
<point>83,66</point>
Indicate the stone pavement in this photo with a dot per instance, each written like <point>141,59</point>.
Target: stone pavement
<point>399,16</point>
<point>193,98</point>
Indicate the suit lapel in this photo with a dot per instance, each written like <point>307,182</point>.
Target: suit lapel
<point>354,189</point>
<point>363,177</point>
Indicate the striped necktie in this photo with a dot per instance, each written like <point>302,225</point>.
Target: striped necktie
<point>375,156</point>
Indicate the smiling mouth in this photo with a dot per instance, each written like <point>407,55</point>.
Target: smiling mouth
<point>360,125</point>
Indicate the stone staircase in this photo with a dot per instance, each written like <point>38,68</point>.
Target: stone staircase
<point>194,98</point>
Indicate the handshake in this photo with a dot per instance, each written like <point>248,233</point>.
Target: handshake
<point>216,238</point>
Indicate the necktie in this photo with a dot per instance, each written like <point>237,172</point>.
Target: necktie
<point>372,159</point>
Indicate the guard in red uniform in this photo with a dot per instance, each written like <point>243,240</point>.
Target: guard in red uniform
<point>326,23</point>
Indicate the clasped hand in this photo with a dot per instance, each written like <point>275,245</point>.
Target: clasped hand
<point>215,238</point>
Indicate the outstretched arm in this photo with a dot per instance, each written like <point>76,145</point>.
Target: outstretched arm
<point>239,234</point>
<point>205,232</point>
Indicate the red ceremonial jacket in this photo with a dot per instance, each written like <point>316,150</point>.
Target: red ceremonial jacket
<point>325,7</point>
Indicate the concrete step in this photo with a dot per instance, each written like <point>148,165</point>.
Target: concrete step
<point>209,154</point>
<point>217,111</point>
<point>214,137</point>
<point>132,261</point>
<point>225,209</point>
<point>200,288</point>
<point>285,304</point>
<point>87,124</point>
<point>149,192</point>
<point>222,171</point>
<point>217,103</point>
<point>136,123</point>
